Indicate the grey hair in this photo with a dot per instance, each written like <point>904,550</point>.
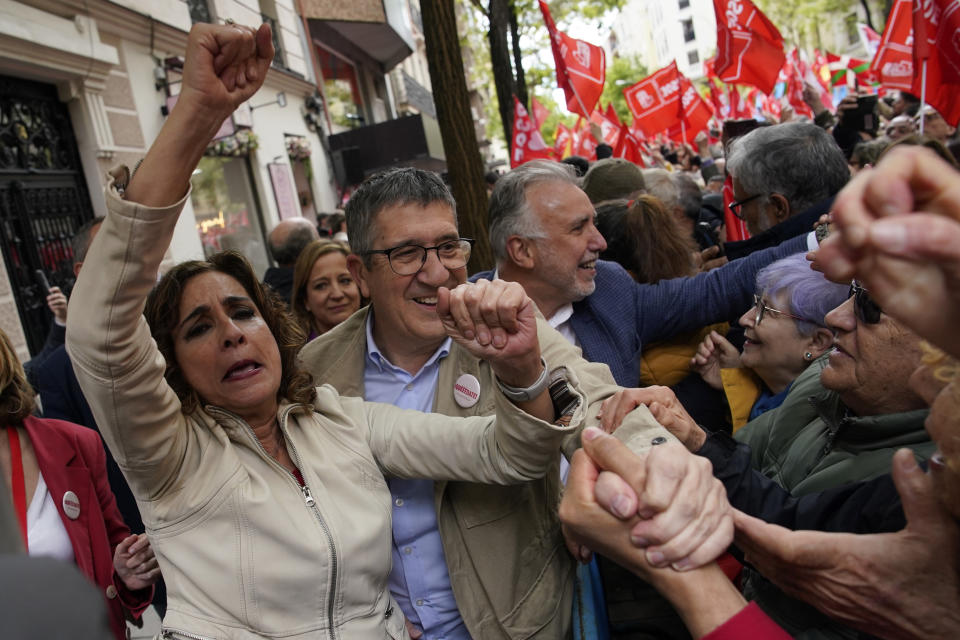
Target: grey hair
<point>80,242</point>
<point>662,187</point>
<point>689,197</point>
<point>798,160</point>
<point>395,187</point>
<point>509,212</point>
<point>809,295</point>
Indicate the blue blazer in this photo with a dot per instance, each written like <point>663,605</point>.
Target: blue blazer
<point>621,315</point>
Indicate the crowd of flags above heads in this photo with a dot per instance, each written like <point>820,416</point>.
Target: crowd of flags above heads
<point>918,52</point>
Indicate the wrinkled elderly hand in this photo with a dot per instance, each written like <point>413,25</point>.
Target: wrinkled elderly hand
<point>909,262</point>
<point>57,303</point>
<point>892,585</point>
<point>135,563</point>
<point>713,354</point>
<point>494,321</point>
<point>664,406</point>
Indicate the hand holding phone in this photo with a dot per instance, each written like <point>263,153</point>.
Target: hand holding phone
<point>42,281</point>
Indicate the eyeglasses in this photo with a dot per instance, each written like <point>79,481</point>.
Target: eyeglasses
<point>762,309</point>
<point>408,259</point>
<point>864,307</point>
<point>737,205</point>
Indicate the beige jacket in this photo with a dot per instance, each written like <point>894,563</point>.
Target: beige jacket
<point>244,551</point>
<point>511,574</point>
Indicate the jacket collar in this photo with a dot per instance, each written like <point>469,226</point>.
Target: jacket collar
<point>51,446</point>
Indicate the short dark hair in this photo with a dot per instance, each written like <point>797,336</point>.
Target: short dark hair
<point>394,187</point>
<point>163,314</point>
<point>604,151</point>
<point>581,164</point>
<point>80,242</point>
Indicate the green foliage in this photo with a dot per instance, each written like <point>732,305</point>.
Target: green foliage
<point>798,20</point>
<point>623,72</point>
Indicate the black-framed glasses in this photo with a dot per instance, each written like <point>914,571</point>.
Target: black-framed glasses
<point>408,259</point>
<point>762,309</point>
<point>737,205</point>
<point>864,307</point>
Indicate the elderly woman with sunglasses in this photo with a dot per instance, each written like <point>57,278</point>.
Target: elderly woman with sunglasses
<point>784,333</point>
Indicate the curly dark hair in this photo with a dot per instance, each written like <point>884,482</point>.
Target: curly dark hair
<point>163,310</point>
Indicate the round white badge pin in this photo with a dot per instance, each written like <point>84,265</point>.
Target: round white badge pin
<point>466,390</point>
<point>71,505</point>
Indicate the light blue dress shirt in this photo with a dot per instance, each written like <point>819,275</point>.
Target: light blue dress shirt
<point>419,580</point>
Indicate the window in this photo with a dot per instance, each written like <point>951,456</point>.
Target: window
<point>224,204</point>
<point>853,34</point>
<point>693,57</point>
<point>684,4</point>
<point>342,89</point>
<point>268,12</point>
<point>688,33</point>
<point>199,11</point>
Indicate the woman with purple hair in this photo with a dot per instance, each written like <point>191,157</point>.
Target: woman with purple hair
<point>784,332</point>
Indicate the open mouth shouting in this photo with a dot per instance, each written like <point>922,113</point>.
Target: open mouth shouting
<point>242,370</point>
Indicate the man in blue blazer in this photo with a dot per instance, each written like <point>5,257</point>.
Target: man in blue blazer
<point>543,233</point>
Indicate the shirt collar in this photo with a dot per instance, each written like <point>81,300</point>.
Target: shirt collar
<point>375,356</point>
<point>561,315</point>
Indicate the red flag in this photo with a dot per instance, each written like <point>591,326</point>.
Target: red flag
<point>527,142</point>
<point>629,147</point>
<point>540,112</point>
<point>735,227</point>
<point>695,112</point>
<point>936,28</point>
<point>584,144</point>
<point>561,146</point>
<point>654,101</point>
<point>821,69</point>
<point>807,76</point>
<point>893,63</point>
<point>795,86</point>
<point>611,114</point>
<point>772,106</point>
<point>749,46</point>
<point>609,129</point>
<point>581,67</point>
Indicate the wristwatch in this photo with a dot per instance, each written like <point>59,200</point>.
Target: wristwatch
<point>526,394</point>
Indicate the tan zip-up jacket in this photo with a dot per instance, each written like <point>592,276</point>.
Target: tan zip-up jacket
<point>244,551</point>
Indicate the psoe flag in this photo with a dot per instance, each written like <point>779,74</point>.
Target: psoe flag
<point>581,67</point>
<point>655,100</point>
<point>749,46</point>
<point>528,144</point>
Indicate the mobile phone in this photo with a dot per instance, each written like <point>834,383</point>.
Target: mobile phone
<point>711,232</point>
<point>42,281</point>
<point>736,128</point>
<point>864,117</point>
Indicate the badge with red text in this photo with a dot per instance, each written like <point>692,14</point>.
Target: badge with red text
<point>71,505</point>
<point>466,390</point>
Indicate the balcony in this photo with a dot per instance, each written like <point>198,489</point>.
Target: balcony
<point>375,30</point>
<point>412,141</point>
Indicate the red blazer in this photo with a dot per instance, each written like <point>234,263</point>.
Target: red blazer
<point>71,458</point>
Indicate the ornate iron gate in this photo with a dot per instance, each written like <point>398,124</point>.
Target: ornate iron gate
<point>43,197</point>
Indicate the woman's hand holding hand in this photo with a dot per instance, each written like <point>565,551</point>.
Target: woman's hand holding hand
<point>135,563</point>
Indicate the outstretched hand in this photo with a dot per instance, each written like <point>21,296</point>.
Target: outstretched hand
<point>713,354</point>
<point>135,563</point>
<point>892,585</point>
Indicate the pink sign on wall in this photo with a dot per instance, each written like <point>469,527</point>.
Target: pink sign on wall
<point>287,204</point>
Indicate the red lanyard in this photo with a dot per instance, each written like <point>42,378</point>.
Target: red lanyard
<point>19,489</point>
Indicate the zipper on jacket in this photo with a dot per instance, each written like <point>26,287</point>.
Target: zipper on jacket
<point>308,500</point>
<point>173,634</point>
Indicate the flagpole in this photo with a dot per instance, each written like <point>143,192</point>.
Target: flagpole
<point>575,94</point>
<point>683,131</point>
<point>923,92</point>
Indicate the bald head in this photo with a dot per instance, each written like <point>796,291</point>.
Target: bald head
<point>289,238</point>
